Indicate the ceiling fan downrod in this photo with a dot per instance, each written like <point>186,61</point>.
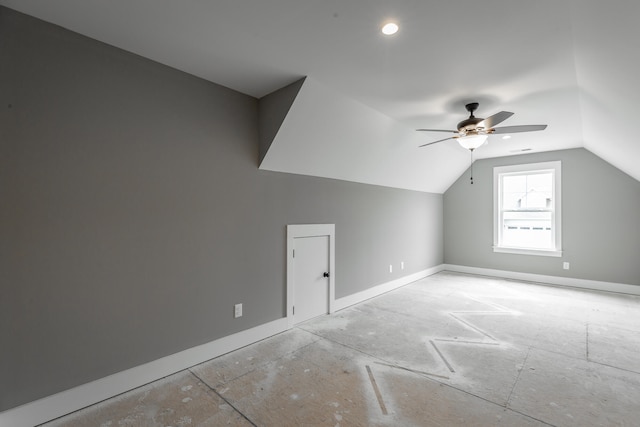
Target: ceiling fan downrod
<point>471,107</point>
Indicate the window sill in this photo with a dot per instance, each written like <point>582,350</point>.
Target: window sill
<point>523,251</point>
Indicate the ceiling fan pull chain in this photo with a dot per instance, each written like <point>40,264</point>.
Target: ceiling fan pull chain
<point>471,166</point>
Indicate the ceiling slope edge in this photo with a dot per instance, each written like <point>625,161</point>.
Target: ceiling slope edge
<point>327,134</point>
<point>272,110</point>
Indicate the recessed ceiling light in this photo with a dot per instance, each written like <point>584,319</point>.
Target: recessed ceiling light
<point>506,137</point>
<point>390,28</point>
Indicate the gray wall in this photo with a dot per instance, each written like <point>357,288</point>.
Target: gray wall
<point>600,220</point>
<point>134,215</point>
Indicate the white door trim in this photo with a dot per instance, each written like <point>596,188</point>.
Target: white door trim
<point>310,230</point>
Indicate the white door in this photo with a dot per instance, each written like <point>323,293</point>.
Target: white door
<point>311,277</point>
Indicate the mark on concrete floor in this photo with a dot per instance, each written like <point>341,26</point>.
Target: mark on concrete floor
<point>475,328</point>
<point>466,342</point>
<point>499,310</point>
<point>377,391</point>
<point>446,362</point>
<point>524,362</point>
<point>481,312</point>
<point>415,371</point>
<point>587,340</point>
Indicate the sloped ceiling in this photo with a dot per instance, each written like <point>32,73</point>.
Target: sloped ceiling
<point>373,148</point>
<point>570,64</point>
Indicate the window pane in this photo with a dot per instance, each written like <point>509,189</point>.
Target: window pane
<point>527,191</point>
<point>539,191</point>
<point>513,187</point>
<point>527,230</point>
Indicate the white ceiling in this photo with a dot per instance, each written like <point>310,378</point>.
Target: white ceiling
<point>570,64</point>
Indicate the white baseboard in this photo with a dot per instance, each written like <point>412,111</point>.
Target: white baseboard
<point>79,397</point>
<point>594,285</point>
<point>71,400</point>
<point>358,297</point>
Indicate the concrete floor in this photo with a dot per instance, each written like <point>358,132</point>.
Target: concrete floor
<point>449,350</point>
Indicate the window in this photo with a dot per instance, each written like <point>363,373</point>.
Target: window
<point>527,209</point>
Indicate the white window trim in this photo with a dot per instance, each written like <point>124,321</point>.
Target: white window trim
<point>554,166</point>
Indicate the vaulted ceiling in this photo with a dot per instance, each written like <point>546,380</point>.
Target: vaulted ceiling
<point>570,64</point>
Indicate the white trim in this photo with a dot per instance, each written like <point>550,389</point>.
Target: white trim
<point>372,292</point>
<point>71,400</point>
<point>525,251</point>
<point>594,285</point>
<point>310,230</point>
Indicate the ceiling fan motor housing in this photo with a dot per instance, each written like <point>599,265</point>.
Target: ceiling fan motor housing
<point>470,125</point>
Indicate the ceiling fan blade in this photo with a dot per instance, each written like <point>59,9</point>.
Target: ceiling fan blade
<point>434,142</point>
<point>491,121</point>
<point>516,129</point>
<point>436,130</point>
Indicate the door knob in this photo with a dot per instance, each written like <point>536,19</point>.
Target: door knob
<point>325,274</point>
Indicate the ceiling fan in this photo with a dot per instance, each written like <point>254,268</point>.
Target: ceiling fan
<point>474,131</point>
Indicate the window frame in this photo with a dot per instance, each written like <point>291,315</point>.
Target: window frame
<point>556,218</point>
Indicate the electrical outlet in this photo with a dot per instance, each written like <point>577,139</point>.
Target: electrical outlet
<point>237,311</point>
<point>565,265</point>
<point>390,268</point>
<point>402,265</point>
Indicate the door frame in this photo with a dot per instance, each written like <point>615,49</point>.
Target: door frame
<point>295,231</point>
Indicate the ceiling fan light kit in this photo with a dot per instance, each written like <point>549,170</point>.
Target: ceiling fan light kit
<point>471,142</point>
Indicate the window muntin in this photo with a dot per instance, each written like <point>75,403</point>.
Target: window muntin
<point>527,209</point>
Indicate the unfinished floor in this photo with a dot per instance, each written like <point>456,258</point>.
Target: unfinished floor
<point>448,350</point>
